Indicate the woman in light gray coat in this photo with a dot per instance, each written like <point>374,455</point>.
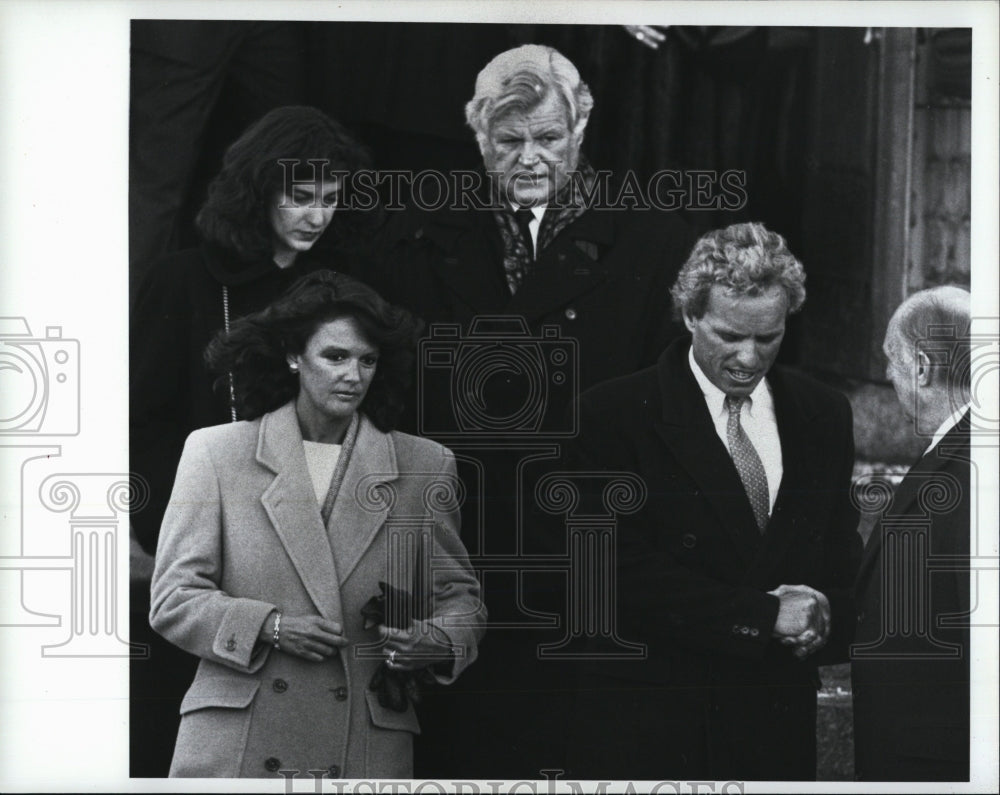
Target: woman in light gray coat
<point>284,530</point>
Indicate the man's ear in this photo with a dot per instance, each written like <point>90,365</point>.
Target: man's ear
<point>577,132</point>
<point>688,321</point>
<point>483,142</point>
<point>923,364</point>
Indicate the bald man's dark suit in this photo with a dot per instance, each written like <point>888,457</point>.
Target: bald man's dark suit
<point>911,682</point>
<point>716,696</point>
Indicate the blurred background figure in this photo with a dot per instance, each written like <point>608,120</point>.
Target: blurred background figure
<point>194,85</point>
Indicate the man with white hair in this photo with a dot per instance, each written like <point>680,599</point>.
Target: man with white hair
<point>533,235</point>
<point>910,662</point>
<point>583,290</point>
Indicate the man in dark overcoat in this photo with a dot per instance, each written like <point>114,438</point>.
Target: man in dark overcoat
<point>910,662</point>
<point>736,571</point>
<point>533,287</point>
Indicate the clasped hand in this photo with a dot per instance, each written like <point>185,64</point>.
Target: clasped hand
<point>310,637</point>
<point>418,646</point>
<point>803,619</point>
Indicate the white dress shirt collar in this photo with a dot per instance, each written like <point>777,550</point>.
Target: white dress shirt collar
<point>535,224</point>
<point>757,419</point>
<point>537,210</point>
<point>716,398</point>
<point>947,425</point>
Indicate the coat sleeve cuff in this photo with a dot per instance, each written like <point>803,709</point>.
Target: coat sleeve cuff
<point>752,633</point>
<point>464,648</point>
<point>236,643</point>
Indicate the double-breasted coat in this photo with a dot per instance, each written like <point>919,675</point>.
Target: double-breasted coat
<point>242,536</point>
<point>714,696</point>
<point>910,663</point>
<point>182,303</point>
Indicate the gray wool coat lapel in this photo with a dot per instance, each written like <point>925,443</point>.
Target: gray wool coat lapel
<point>363,501</point>
<point>292,508</point>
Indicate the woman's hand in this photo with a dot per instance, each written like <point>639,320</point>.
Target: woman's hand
<point>420,645</point>
<point>309,637</point>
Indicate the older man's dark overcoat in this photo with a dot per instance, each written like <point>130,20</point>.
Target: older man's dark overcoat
<point>715,696</point>
<point>604,281</point>
<point>596,305</point>
<point>910,664</point>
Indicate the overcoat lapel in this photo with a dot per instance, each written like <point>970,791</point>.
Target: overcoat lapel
<point>363,502</point>
<point>803,463</point>
<point>569,267</point>
<point>291,505</point>
<point>903,496</point>
<point>472,266</point>
<point>908,490</point>
<point>688,431</point>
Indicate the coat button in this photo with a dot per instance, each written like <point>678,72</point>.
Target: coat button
<point>334,771</point>
<point>272,764</point>
<point>570,314</point>
<point>340,694</point>
<point>230,645</point>
<point>689,540</point>
<point>280,685</point>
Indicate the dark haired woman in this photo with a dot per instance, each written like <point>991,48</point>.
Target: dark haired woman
<point>281,528</point>
<point>271,216</point>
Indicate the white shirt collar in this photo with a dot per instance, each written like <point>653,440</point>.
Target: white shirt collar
<point>953,420</point>
<point>538,210</point>
<point>716,398</point>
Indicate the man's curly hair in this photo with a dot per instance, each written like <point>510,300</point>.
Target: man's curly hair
<point>747,259</point>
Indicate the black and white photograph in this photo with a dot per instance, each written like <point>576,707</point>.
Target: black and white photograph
<point>499,397</point>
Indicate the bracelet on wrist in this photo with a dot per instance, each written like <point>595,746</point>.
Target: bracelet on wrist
<point>276,637</point>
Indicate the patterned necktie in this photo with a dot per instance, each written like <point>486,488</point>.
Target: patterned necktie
<point>748,462</point>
